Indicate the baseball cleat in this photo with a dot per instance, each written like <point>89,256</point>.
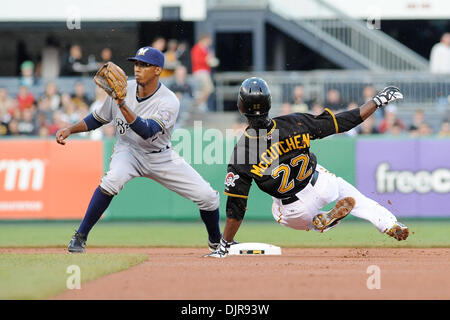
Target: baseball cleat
<point>213,245</point>
<point>342,208</point>
<point>398,231</point>
<point>218,253</point>
<point>77,244</point>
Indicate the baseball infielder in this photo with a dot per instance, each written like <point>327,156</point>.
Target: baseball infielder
<point>274,153</point>
<point>144,112</point>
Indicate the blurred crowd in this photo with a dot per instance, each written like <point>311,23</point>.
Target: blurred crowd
<point>26,114</point>
<point>386,120</point>
<point>187,72</point>
<point>30,115</point>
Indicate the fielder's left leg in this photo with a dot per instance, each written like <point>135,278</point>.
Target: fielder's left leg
<point>121,169</point>
<point>174,173</point>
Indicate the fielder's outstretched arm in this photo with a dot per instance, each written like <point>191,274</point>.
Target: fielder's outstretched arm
<point>87,124</point>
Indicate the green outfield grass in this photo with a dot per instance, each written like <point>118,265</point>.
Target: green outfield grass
<point>40,276</point>
<point>351,233</point>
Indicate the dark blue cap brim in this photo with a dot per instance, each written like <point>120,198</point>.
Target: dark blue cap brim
<point>140,59</point>
<point>135,59</point>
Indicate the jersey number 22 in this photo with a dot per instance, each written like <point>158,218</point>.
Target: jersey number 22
<point>285,170</point>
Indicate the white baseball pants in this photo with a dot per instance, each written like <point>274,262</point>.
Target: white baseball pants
<point>329,188</point>
<point>167,168</point>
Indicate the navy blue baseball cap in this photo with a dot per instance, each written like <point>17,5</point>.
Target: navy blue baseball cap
<point>149,55</point>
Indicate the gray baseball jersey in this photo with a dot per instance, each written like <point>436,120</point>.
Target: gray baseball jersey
<point>152,158</point>
<point>162,106</point>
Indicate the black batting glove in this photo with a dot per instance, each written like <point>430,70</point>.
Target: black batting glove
<point>387,95</point>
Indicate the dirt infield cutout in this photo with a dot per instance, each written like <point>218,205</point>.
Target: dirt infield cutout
<point>320,273</point>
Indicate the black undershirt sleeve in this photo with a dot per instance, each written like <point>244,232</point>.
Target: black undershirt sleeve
<point>347,120</point>
<point>237,187</point>
<point>328,123</point>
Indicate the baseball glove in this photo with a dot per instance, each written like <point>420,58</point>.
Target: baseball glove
<point>113,80</point>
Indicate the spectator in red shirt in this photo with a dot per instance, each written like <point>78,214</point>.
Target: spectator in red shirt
<point>25,98</point>
<point>202,61</point>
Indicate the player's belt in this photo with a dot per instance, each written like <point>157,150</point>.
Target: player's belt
<point>294,197</point>
<point>158,151</point>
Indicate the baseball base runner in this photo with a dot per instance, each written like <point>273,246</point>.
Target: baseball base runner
<point>274,153</point>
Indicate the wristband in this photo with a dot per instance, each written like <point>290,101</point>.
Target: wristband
<point>121,104</point>
<point>377,101</point>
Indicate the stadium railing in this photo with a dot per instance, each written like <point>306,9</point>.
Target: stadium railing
<point>421,89</point>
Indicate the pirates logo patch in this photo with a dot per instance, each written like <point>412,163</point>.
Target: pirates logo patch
<point>230,179</point>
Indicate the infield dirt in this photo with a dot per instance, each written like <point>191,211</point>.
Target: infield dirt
<point>337,273</point>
